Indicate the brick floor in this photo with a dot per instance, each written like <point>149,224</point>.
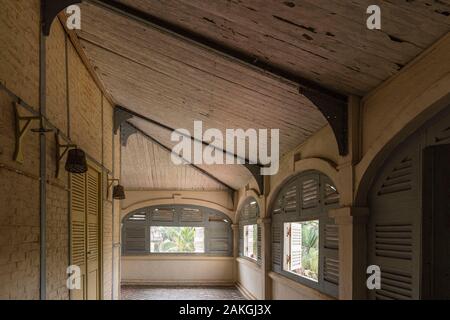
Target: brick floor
<point>180,293</point>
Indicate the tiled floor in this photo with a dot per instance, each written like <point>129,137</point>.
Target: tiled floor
<point>180,293</point>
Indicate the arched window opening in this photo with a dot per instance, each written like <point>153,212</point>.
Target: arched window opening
<point>177,229</point>
<point>305,241</point>
<point>250,231</point>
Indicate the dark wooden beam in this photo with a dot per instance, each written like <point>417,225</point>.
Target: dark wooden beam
<point>122,114</point>
<point>133,129</point>
<point>49,11</point>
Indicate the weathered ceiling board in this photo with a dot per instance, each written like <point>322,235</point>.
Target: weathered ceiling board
<point>147,166</point>
<point>235,176</point>
<point>176,83</point>
<point>323,40</point>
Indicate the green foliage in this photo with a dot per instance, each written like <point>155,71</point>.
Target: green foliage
<point>177,239</point>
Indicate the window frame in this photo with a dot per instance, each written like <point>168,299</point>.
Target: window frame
<point>245,218</point>
<point>209,220</point>
<point>255,241</point>
<point>310,280</point>
<point>290,209</point>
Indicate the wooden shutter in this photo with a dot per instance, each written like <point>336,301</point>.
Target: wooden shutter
<point>394,225</point>
<point>191,215</point>
<point>310,195</point>
<point>258,245</point>
<point>78,230</point>
<point>93,210</point>
<point>135,235</point>
<point>295,234</point>
<point>218,236</point>
<point>276,245</point>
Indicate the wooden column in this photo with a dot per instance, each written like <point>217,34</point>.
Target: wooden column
<point>352,222</point>
<point>266,255</point>
<point>235,228</point>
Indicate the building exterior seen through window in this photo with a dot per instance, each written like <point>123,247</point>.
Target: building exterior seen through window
<point>251,241</point>
<point>301,248</point>
<point>177,239</point>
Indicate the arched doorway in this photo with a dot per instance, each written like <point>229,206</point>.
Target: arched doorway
<point>409,219</point>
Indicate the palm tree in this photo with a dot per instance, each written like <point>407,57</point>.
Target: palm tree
<point>178,239</point>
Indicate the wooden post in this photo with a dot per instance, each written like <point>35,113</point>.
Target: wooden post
<point>352,223</point>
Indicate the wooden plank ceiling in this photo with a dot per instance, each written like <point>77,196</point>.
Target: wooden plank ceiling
<point>147,166</point>
<point>175,82</point>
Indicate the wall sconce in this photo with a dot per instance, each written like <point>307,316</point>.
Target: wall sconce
<point>118,190</point>
<point>76,158</point>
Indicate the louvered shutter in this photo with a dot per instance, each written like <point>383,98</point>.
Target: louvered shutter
<point>93,211</point>
<point>329,252</point>
<point>394,225</point>
<point>310,195</point>
<point>296,245</point>
<point>218,238</point>
<point>241,240</point>
<point>258,245</point>
<point>191,215</point>
<point>78,230</point>
<point>276,245</point>
<point>163,216</point>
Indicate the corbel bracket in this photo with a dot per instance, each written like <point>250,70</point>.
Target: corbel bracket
<point>334,109</point>
<point>255,170</point>
<point>49,11</point>
<point>120,116</point>
<point>23,124</point>
<point>125,133</point>
<point>61,150</point>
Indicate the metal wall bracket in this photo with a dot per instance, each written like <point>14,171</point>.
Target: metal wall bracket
<point>23,124</point>
<point>61,150</point>
<point>334,109</point>
<point>49,11</point>
<point>120,116</point>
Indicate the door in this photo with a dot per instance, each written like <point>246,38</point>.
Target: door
<point>85,231</point>
<point>436,223</point>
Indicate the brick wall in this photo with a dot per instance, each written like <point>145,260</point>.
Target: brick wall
<point>78,109</point>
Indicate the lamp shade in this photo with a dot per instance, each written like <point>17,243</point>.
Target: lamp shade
<point>76,161</point>
<point>118,192</point>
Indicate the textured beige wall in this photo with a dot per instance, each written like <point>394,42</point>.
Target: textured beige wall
<point>249,277</point>
<point>78,104</point>
<point>177,270</point>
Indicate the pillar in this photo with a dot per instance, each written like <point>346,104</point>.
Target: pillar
<point>352,222</point>
<point>235,228</point>
<point>266,250</point>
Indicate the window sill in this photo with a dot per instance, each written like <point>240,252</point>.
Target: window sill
<point>156,257</point>
<point>249,262</point>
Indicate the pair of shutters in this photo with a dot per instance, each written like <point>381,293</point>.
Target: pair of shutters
<point>85,243</point>
<point>308,196</point>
